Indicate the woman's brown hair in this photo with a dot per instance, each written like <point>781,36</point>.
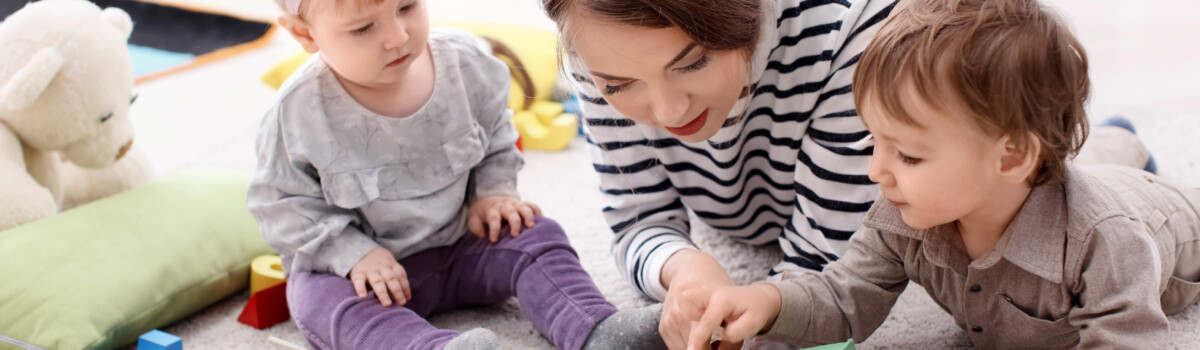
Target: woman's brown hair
<point>1013,65</point>
<point>714,24</point>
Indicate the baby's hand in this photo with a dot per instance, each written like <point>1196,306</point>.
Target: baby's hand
<point>491,211</point>
<point>745,311</point>
<point>385,275</point>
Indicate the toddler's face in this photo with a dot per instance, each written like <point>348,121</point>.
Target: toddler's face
<point>370,44</point>
<point>939,171</point>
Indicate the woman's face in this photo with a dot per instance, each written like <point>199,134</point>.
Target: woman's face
<point>660,77</point>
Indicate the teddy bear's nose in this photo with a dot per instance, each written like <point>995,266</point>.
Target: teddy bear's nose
<point>124,149</point>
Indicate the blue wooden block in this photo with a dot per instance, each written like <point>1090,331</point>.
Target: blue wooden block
<point>159,340</point>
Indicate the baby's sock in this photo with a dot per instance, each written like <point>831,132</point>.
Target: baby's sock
<point>628,329</point>
<point>475,339</point>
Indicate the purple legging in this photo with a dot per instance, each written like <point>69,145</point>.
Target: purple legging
<point>539,268</point>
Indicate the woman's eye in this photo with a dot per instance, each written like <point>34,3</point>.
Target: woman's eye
<point>106,117</point>
<point>612,89</point>
<point>405,8</point>
<point>700,64</point>
<point>362,30</point>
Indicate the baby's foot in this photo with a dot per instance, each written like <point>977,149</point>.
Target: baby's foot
<point>1120,122</point>
<point>628,329</point>
<point>475,339</point>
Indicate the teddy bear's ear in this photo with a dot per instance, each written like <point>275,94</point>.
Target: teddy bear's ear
<point>28,83</point>
<point>119,19</point>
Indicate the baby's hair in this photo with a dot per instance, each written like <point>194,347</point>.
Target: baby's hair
<point>306,5</point>
<point>1010,67</point>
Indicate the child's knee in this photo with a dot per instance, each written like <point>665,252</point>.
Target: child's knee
<point>544,229</point>
<point>545,235</point>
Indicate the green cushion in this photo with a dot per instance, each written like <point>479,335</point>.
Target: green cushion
<point>100,275</point>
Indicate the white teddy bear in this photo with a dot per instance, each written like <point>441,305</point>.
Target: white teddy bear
<point>66,85</point>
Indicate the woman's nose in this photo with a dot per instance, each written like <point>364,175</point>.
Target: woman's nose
<point>670,107</point>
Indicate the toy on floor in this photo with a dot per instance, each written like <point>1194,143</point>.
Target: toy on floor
<point>265,272</point>
<point>847,345</point>
<point>530,53</point>
<point>66,85</point>
<point>284,343</point>
<point>268,294</point>
<point>159,340</point>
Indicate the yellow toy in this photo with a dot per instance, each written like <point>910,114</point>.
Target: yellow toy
<point>531,56</point>
<point>265,272</point>
<point>545,127</point>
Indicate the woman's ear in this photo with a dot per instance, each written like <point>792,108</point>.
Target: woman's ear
<point>1020,160</point>
<point>300,30</point>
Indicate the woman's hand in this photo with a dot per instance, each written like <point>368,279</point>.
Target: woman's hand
<point>387,278</point>
<point>492,211</point>
<point>690,277</point>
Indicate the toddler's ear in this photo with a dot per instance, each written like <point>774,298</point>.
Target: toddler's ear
<point>1021,159</point>
<point>299,29</point>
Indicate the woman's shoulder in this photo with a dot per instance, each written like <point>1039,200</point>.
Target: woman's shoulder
<point>800,19</point>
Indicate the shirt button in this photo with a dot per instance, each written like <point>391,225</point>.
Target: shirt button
<point>976,288</point>
<point>977,329</point>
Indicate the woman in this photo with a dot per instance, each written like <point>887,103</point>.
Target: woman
<point>739,110</point>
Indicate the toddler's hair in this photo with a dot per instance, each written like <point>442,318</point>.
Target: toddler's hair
<point>306,5</point>
<point>1007,66</point>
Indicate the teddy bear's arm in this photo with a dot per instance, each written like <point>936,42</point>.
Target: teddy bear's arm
<point>24,199</point>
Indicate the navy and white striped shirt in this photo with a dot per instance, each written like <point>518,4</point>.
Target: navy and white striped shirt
<point>793,168</point>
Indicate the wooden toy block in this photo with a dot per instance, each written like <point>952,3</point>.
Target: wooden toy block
<point>265,272</point>
<point>159,340</point>
<point>847,345</point>
<point>266,308</point>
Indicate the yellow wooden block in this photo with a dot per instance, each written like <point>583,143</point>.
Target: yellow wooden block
<point>554,136</point>
<point>265,272</point>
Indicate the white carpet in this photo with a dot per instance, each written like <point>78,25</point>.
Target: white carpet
<point>563,184</point>
<point>1143,66</point>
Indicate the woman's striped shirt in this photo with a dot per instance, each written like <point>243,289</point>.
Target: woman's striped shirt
<point>792,169</point>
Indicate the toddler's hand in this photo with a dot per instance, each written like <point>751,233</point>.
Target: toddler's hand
<point>385,275</point>
<point>745,311</point>
<point>491,211</point>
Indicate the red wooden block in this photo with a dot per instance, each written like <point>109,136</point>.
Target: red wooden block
<point>266,308</point>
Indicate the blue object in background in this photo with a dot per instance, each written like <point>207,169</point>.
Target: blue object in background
<point>571,105</point>
<point>148,60</point>
<point>159,340</point>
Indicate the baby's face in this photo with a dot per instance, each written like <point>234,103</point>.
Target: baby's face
<point>938,171</point>
<point>367,43</point>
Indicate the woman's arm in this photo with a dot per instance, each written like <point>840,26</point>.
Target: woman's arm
<point>643,209</point>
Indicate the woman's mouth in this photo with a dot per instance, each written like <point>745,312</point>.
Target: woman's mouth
<point>691,128</point>
<point>398,61</point>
